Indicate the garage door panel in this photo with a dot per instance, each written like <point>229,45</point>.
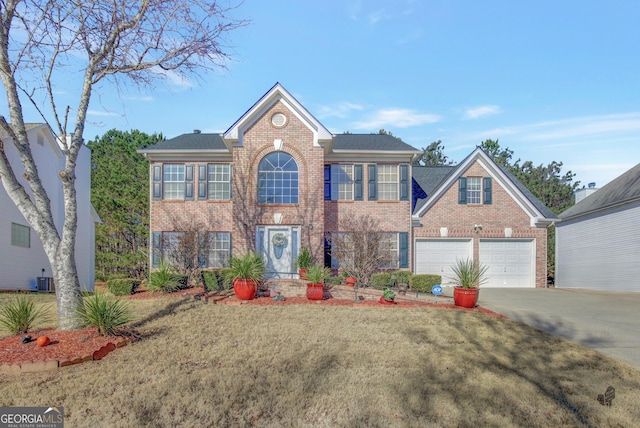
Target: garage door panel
<point>510,262</point>
<point>436,256</point>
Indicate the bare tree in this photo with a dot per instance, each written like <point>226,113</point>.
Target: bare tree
<point>360,247</point>
<point>42,43</point>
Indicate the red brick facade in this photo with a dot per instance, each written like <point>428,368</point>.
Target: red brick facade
<point>255,136</point>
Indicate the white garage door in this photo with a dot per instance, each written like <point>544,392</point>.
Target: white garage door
<point>510,262</point>
<point>436,256</point>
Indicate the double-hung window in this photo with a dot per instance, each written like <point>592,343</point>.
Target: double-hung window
<point>173,181</point>
<point>20,235</point>
<point>475,190</point>
<point>342,182</point>
<point>219,249</point>
<point>219,181</point>
<point>388,182</point>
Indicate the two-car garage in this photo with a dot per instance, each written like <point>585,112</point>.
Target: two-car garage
<point>511,262</point>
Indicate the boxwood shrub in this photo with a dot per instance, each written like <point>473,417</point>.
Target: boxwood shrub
<point>123,287</point>
<point>424,282</point>
<point>390,278</point>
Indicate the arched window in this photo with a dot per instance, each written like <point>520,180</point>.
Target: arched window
<point>278,179</point>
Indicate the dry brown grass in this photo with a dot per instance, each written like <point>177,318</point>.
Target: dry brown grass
<point>216,365</point>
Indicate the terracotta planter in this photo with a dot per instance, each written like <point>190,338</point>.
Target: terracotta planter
<point>465,297</point>
<point>245,289</point>
<point>315,291</point>
<point>351,281</point>
<point>386,302</point>
<point>303,274</point>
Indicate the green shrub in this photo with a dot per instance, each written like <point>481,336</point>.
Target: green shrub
<point>334,280</point>
<point>390,278</point>
<point>381,280</point>
<point>165,281</point>
<point>104,313</point>
<point>212,280</point>
<point>19,315</point>
<point>123,287</point>
<point>424,282</point>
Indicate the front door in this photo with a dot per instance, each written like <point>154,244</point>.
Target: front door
<point>278,246</point>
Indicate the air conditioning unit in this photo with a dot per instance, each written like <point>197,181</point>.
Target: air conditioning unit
<point>45,284</point>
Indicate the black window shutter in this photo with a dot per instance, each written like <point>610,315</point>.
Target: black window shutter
<point>404,182</point>
<point>462,190</point>
<point>487,190</point>
<point>357,182</point>
<point>327,182</point>
<point>373,181</point>
<point>157,181</point>
<point>188,178</point>
<point>202,181</point>
<point>156,252</point>
<point>404,250</point>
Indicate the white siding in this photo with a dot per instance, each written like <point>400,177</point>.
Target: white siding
<point>21,266</point>
<point>600,252</point>
<point>436,256</point>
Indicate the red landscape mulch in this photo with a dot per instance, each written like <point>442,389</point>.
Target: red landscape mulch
<point>65,346</point>
<point>70,347</point>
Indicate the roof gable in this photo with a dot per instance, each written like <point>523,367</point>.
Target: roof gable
<point>536,210</point>
<point>273,95</point>
<point>623,190</point>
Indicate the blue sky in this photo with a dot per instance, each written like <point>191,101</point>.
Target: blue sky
<point>552,80</point>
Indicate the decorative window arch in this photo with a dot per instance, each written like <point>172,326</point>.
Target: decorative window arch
<point>278,179</point>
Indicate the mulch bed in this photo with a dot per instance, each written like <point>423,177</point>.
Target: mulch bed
<point>65,346</point>
<point>69,347</point>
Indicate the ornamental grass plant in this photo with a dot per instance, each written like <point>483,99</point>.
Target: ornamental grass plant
<point>20,314</point>
<point>104,313</point>
<point>468,274</point>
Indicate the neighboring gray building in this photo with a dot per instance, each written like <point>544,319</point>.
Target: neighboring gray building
<point>598,239</point>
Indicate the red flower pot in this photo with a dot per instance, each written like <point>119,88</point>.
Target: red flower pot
<point>303,274</point>
<point>351,281</point>
<point>386,302</point>
<point>245,289</point>
<point>315,291</point>
<point>465,297</point>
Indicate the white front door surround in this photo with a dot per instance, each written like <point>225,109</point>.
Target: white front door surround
<point>278,245</point>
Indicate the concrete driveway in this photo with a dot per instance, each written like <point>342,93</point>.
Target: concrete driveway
<point>608,322</point>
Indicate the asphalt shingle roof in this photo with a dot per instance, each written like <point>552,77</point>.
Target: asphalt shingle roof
<point>624,189</point>
<point>367,142</point>
<point>192,141</point>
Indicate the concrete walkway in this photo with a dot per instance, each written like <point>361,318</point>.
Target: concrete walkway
<point>607,322</point>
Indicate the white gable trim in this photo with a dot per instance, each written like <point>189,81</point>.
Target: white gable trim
<point>537,219</point>
<point>275,94</point>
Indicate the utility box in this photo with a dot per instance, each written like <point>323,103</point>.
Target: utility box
<point>45,284</point>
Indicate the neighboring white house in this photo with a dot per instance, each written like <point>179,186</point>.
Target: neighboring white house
<point>22,258</point>
<point>598,239</point>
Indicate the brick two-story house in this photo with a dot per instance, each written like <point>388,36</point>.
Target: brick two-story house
<point>278,180</point>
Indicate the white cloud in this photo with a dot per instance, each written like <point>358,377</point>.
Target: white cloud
<point>400,118</point>
<point>479,111</point>
<point>340,110</point>
<point>102,113</point>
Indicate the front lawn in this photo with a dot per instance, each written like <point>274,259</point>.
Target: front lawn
<point>202,364</point>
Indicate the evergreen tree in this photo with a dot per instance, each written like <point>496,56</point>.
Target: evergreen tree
<point>120,195</point>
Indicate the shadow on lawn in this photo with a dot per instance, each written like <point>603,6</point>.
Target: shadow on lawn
<point>168,310</point>
<point>511,352</point>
